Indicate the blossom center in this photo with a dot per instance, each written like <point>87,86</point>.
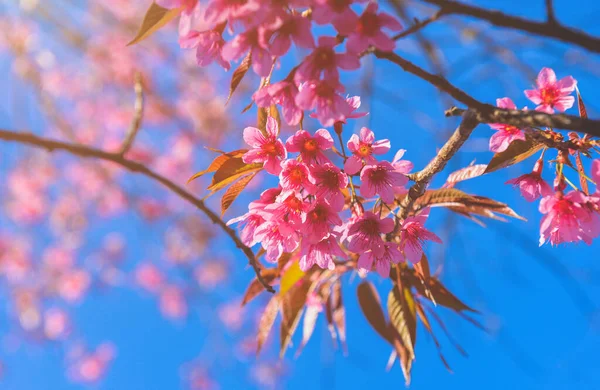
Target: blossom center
<point>323,57</point>
<point>293,203</point>
<point>310,146</point>
<point>378,175</point>
<point>270,148</point>
<point>364,150</point>
<point>549,95</point>
<point>296,175</point>
<point>368,24</point>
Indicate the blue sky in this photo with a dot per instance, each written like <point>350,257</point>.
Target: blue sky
<point>539,304</point>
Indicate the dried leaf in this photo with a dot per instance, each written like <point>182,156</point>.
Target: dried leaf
<point>256,287</point>
<point>239,74</point>
<point>465,174</point>
<point>234,191</point>
<point>155,18</point>
<point>580,105</point>
<point>266,322</point>
<point>338,313</point>
<point>369,302</point>
<point>402,312</point>
<point>465,204</point>
<point>422,268</point>
<point>291,307</point>
<point>308,325</point>
<point>582,176</point>
<point>406,359</point>
<point>230,171</point>
<point>218,161</point>
<point>290,277</point>
<point>516,152</point>
<point>441,295</point>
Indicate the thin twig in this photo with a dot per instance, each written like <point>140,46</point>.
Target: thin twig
<point>544,29</point>
<point>419,24</point>
<point>138,114</point>
<point>88,152</point>
<point>551,17</point>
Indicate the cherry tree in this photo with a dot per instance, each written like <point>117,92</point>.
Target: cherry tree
<point>262,96</point>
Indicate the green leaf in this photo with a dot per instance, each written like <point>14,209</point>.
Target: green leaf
<point>402,312</point>
<point>239,74</point>
<point>516,152</point>
<point>155,18</point>
<point>234,191</point>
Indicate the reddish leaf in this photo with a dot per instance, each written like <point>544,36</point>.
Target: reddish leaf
<point>338,313</point>
<point>406,359</point>
<point>422,268</point>
<point>255,287</point>
<point>580,105</point>
<point>234,191</point>
<point>308,325</point>
<point>155,18</point>
<point>439,294</point>
<point>402,312</point>
<point>517,151</point>
<point>581,172</point>
<point>291,307</point>
<point>239,74</point>
<point>266,322</point>
<point>369,302</point>
<point>465,174</point>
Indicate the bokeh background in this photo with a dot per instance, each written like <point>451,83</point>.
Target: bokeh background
<point>110,282</point>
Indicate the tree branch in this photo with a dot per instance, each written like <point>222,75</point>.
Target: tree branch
<point>549,29</point>
<point>88,152</point>
<point>424,176</point>
<point>138,113</point>
<point>419,24</point>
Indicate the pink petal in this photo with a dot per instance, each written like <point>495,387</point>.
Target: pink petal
<point>366,136</point>
<point>272,127</point>
<point>534,95</point>
<point>546,78</point>
<point>566,84</point>
<point>353,165</point>
<point>254,137</point>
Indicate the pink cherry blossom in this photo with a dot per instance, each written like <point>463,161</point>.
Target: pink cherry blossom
<point>89,367</point>
<point>277,237</point>
<point>296,176</point>
<point>219,11</point>
<point>354,103</point>
<point>323,97</point>
<point>208,45</point>
<point>249,41</point>
<point>505,134</point>
<point>381,179</point>
<point>325,60</point>
<point>249,222</point>
<point>285,30</point>
<point>329,183</point>
<point>391,255</point>
<point>413,235</point>
<point>552,94</point>
<point>283,93</point>
<point>319,221</point>
<point>567,219</point>
<point>266,149</point>
<point>368,31</point>
<point>532,185</point>
<point>56,324</point>
<point>292,209</point>
<point>172,302</point>
<point>187,5</point>
<point>311,148</point>
<point>365,233</point>
<point>149,277</point>
<point>363,147</point>
<point>337,12</point>
<point>321,253</point>
<point>73,285</point>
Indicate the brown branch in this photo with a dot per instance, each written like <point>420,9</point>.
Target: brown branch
<point>420,24</point>
<point>522,119</point>
<point>132,166</point>
<point>437,81</point>
<point>424,176</point>
<point>549,29</point>
<point>138,114</point>
<point>486,113</point>
<point>550,16</point>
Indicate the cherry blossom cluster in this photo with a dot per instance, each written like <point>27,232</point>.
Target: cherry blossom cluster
<point>568,217</point>
<point>306,213</point>
<point>264,30</point>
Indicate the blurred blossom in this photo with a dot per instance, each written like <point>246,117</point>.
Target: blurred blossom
<point>149,277</point>
<point>89,367</point>
<point>56,324</point>
<point>73,285</point>
<point>232,315</point>
<point>172,303</point>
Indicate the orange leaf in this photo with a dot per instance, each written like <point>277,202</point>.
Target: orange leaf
<point>155,18</point>
<point>230,171</point>
<point>516,152</point>
<point>239,74</point>
<point>266,322</point>
<point>256,287</point>
<point>292,304</point>
<point>234,191</point>
<point>369,302</point>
